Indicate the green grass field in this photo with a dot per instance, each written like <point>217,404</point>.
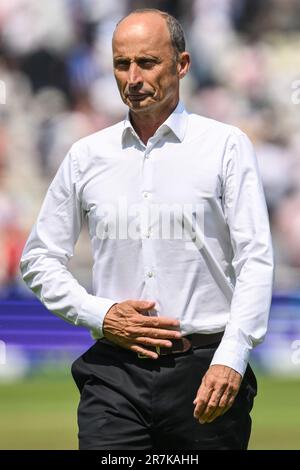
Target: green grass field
<point>40,413</point>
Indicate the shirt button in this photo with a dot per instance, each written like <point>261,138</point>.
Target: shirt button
<point>148,234</point>
<point>147,155</point>
<point>150,274</point>
<point>145,194</point>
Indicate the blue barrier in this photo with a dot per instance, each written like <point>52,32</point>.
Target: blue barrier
<point>43,336</point>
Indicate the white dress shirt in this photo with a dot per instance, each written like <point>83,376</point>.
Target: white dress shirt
<point>113,179</point>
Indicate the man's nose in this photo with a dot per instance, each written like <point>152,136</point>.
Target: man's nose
<point>134,76</point>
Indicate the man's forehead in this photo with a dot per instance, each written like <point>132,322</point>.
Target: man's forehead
<point>145,28</point>
<point>135,52</point>
<point>154,46</point>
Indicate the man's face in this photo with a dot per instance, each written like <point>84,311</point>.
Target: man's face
<point>144,63</point>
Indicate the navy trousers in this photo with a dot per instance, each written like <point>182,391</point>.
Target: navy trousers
<point>130,403</point>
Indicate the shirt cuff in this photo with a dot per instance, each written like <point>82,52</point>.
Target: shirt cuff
<point>233,355</point>
<point>92,313</point>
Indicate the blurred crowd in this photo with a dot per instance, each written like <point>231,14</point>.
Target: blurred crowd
<point>56,86</point>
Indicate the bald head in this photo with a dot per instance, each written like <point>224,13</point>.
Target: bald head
<point>143,29</point>
<point>174,28</point>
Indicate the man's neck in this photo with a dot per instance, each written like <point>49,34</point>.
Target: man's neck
<point>146,124</point>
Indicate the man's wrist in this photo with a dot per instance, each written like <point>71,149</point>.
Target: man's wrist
<point>233,356</point>
<point>92,313</point>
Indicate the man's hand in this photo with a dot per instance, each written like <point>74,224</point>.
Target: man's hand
<point>216,393</point>
<point>125,325</point>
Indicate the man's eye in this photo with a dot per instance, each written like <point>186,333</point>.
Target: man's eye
<point>147,64</point>
<point>121,65</point>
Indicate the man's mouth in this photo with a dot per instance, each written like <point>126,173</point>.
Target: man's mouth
<point>137,96</point>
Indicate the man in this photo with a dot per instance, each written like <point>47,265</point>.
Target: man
<point>174,319</point>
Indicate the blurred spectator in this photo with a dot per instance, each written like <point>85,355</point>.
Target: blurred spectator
<point>12,237</point>
<point>55,62</point>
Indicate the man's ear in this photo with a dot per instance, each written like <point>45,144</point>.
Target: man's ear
<point>183,65</point>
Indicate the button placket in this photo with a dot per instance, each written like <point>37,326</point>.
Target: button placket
<point>147,242</point>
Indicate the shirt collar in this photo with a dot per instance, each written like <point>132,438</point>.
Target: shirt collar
<point>176,123</point>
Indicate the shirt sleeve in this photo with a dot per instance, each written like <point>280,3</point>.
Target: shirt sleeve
<point>49,248</point>
<point>246,214</point>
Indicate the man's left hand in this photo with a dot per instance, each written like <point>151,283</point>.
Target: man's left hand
<point>217,392</point>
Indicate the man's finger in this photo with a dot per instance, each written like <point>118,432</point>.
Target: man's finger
<point>220,410</point>
<point>141,305</point>
<point>157,322</point>
<point>211,406</point>
<point>153,333</point>
<point>202,400</point>
<point>145,352</point>
<point>126,344</point>
<point>225,404</point>
<point>228,397</point>
<point>153,342</point>
<point>228,402</point>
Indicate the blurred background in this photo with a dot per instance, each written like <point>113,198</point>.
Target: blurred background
<point>56,86</point>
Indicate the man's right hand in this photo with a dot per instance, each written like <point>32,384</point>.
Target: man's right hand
<point>125,325</point>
